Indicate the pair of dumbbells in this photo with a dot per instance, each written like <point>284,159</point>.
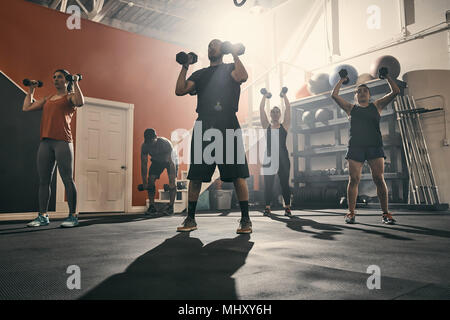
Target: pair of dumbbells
<point>268,95</point>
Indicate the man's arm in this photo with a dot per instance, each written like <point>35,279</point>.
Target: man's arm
<point>239,73</point>
<point>184,86</point>
<point>344,104</point>
<point>395,90</point>
<point>144,159</point>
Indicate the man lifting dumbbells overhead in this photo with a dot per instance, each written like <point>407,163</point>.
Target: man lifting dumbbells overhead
<point>161,151</point>
<point>365,141</point>
<point>218,89</point>
<point>279,148</point>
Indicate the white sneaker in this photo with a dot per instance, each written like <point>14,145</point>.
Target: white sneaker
<point>70,222</point>
<point>41,220</point>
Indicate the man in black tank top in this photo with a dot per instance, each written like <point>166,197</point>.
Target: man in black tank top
<point>365,143</point>
<point>218,90</point>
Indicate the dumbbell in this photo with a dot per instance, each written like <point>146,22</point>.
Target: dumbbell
<point>29,83</point>
<point>264,92</point>
<point>227,47</point>
<point>71,77</point>
<point>183,58</point>
<point>140,187</point>
<point>283,92</point>
<point>343,73</point>
<point>383,72</point>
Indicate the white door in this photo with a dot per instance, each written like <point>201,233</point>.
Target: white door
<point>102,158</point>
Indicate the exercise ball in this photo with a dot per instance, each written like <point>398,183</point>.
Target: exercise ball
<point>302,92</point>
<point>319,83</point>
<point>308,117</point>
<point>389,62</point>
<point>323,115</point>
<point>352,75</point>
<point>363,78</point>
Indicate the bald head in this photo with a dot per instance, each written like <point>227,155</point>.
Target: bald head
<point>214,50</point>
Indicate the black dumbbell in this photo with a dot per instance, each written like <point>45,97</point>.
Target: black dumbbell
<point>29,83</point>
<point>283,92</point>
<point>227,47</point>
<point>183,58</point>
<point>70,77</point>
<point>264,92</point>
<point>343,73</point>
<point>383,72</point>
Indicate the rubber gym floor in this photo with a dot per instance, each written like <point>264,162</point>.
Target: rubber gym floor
<point>312,255</point>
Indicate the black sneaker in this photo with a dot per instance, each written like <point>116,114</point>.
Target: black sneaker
<point>387,219</point>
<point>189,224</point>
<point>267,212</point>
<point>168,210</point>
<point>151,210</point>
<point>245,226</point>
<point>287,212</point>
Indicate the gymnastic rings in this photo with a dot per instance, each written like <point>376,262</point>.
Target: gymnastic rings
<point>239,4</point>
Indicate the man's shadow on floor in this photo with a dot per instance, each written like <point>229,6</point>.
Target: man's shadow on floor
<point>180,268</point>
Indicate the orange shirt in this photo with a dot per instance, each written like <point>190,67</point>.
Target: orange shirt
<point>56,118</point>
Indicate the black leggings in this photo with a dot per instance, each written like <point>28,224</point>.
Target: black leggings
<point>51,152</point>
<point>283,174</point>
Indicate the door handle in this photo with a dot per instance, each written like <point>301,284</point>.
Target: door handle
<point>123,167</point>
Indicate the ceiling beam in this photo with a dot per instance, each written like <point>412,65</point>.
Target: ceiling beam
<point>105,10</point>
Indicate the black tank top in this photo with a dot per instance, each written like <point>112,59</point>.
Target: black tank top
<point>365,127</point>
<point>282,135</point>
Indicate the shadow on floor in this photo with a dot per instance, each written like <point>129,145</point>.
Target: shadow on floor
<point>180,268</point>
<point>83,222</point>
<point>326,231</point>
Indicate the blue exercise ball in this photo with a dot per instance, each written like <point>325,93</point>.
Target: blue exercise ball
<point>351,71</point>
<point>319,83</point>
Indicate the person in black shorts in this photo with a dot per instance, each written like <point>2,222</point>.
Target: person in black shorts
<point>365,143</point>
<point>218,89</point>
<point>284,163</point>
<point>160,149</point>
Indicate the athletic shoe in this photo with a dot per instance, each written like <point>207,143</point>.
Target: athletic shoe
<point>189,224</point>
<point>350,218</point>
<point>151,210</point>
<point>245,226</point>
<point>168,210</point>
<point>387,219</point>
<point>70,222</point>
<point>287,212</point>
<point>40,221</point>
<point>267,212</point>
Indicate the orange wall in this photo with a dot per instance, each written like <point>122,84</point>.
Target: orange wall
<point>116,65</point>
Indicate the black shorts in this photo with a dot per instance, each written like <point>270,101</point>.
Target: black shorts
<point>362,154</point>
<point>229,170</point>
<point>157,167</point>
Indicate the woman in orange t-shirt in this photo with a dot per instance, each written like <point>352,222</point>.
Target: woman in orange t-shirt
<point>56,142</point>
